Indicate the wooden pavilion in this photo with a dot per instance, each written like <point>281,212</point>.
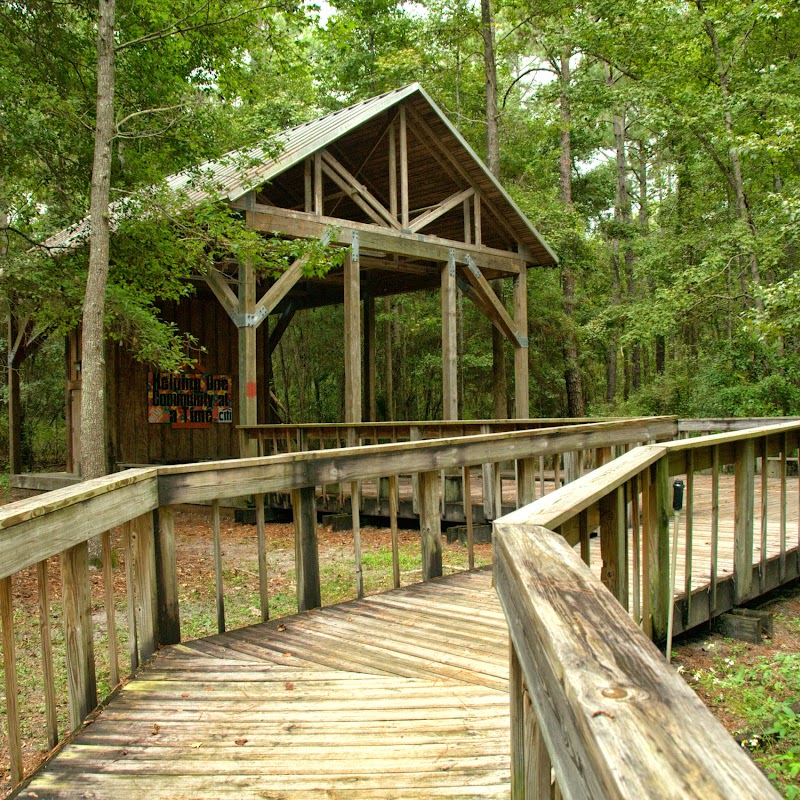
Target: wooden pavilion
<point>390,179</point>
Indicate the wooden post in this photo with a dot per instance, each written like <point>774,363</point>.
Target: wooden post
<point>538,769</point>
<point>521,375</point>
<point>526,481</point>
<point>449,341</point>
<point>169,619</point>
<point>689,541</point>
<point>77,610</point>
<point>51,715</point>
<point>393,170</point>
<point>263,575</point>
<point>248,386</point>
<point>130,592</point>
<point>370,382</point>
<point>714,527</point>
<point>466,494</point>
<point>614,544</point>
<point>744,487</point>
<point>393,526</point>
<point>218,584</point>
<point>10,670</point>
<point>304,503</point>
<point>145,580</point>
<point>111,619</point>
<point>308,186</point>
<point>762,567</point>
<point>516,696</point>
<point>657,516</point>
<point>352,336</point>
<point>319,209</point>
<point>430,525</point>
<point>404,208</point>
<point>355,508</point>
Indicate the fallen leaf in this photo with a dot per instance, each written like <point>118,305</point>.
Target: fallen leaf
<point>240,742</point>
<point>197,744</point>
<point>602,713</point>
<point>287,655</point>
<point>155,730</point>
<point>281,628</point>
<point>290,686</point>
<point>184,694</point>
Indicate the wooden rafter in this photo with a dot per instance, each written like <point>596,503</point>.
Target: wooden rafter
<point>276,334</point>
<point>223,292</point>
<point>492,306</point>
<point>446,205</point>
<point>358,192</point>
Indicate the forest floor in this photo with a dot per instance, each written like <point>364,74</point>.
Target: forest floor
<point>751,689</point>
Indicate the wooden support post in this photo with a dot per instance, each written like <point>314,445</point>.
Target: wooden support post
<point>689,541</point>
<point>169,617</point>
<point>10,670</point>
<point>614,544</point>
<point>585,537</point>
<point>308,185</point>
<point>762,565</point>
<point>352,337</point>
<point>304,503</point>
<point>130,593</point>
<point>466,493</point>
<point>248,387</point>
<point>145,582</point>
<point>404,208</point>
<point>263,575</point>
<point>111,619</point>
<point>487,475</point>
<point>430,525</point>
<point>77,610</point>
<point>538,783</point>
<point>355,507</point>
<point>370,377</point>
<point>636,546</point>
<point>393,170</point>
<point>319,209</point>
<point>744,488</point>
<point>48,678</point>
<point>517,708</point>
<point>714,527</point>
<point>657,517</point>
<point>218,584</point>
<point>449,341</point>
<point>526,481</point>
<point>782,562</point>
<point>521,374</point>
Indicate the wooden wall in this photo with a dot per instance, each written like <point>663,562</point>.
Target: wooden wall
<point>132,439</point>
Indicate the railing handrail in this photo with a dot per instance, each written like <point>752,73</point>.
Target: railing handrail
<point>616,721</point>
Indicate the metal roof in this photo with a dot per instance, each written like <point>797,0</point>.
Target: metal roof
<point>240,171</point>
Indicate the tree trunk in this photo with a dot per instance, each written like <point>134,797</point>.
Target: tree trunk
<point>93,367</point>
<point>572,374</point>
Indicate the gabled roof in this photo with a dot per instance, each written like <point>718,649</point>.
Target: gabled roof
<point>239,172</point>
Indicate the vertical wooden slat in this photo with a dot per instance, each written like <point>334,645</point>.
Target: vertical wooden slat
<point>352,338</point>
<point>648,521</point>
<point>497,484</point>
<point>393,526</point>
<point>130,592</point>
<point>689,541</point>
<point>613,544</point>
<point>319,208</point>
<point>517,709</point>
<point>762,565</point>
<point>111,619</point>
<point>145,580</point>
<point>403,146</point>
<point>48,675</point>
<point>583,532</point>
<point>636,562</point>
<point>169,615</point>
<point>526,481</point>
<point>657,534</point>
<point>218,584</point>
<point>355,508</point>
<point>449,341</point>
<point>263,572</point>
<point>467,494</point>
<point>782,562</point>
<point>10,670</point>
<point>541,476</point>
<point>430,525</point>
<point>557,471</point>
<point>304,503</point>
<point>77,610</point>
<point>393,170</point>
<point>537,759</point>
<point>744,483</point>
<point>714,526</point>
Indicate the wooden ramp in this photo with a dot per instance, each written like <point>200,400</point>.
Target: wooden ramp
<point>400,695</point>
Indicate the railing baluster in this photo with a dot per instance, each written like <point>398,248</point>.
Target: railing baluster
<point>393,527</point>
<point>48,675</point>
<point>613,544</point>
<point>467,493</point>
<point>714,527</point>
<point>689,540</point>
<point>10,670</point>
<point>782,563</point>
<point>636,565</point>
<point>218,583</point>
<point>111,620</point>
<point>762,567</point>
<point>263,568</point>
<point>583,532</point>
<point>517,709</point>
<point>744,482</point>
<point>541,476</point>
<point>538,769</point>
<point>430,525</point>
<point>355,508</point>
<point>130,594</point>
<point>145,580</point>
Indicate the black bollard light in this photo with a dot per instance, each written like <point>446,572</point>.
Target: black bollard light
<point>677,495</point>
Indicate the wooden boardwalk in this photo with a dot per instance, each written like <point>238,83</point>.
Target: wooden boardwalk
<point>400,695</point>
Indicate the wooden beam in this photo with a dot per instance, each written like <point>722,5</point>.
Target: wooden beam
<point>358,192</point>
<point>446,205</point>
<point>308,185</point>
<point>352,337</point>
<point>222,291</point>
<point>449,342</point>
<point>393,170</point>
<point>283,323</point>
<point>271,219</point>
<point>285,283</point>
<point>319,205</point>
<point>493,307</point>
<point>403,167</point>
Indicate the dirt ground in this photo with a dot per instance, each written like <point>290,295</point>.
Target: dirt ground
<point>692,655</point>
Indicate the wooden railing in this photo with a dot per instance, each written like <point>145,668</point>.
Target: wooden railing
<point>61,523</point>
<point>596,710</point>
